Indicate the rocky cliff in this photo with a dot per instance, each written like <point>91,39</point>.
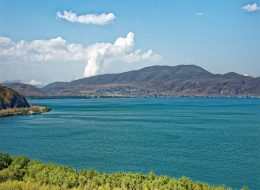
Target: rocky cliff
<point>11,99</point>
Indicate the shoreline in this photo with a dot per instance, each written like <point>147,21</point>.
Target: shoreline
<point>32,110</point>
<point>136,97</point>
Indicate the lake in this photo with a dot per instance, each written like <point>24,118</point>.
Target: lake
<point>214,140</point>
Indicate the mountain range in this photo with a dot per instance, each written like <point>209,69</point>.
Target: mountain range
<point>154,81</point>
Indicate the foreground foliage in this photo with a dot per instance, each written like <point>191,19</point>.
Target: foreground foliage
<point>19,173</point>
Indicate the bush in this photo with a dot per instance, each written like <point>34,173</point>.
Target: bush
<point>5,160</point>
<point>16,170</point>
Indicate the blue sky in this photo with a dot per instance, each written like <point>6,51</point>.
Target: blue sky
<point>218,35</point>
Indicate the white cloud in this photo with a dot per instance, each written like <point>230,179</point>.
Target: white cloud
<point>199,14</point>
<point>97,55</point>
<point>101,54</point>
<point>4,41</point>
<point>35,82</point>
<point>39,50</point>
<point>251,7</point>
<point>99,19</point>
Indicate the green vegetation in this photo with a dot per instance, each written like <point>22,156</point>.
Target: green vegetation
<point>19,173</point>
<point>23,111</point>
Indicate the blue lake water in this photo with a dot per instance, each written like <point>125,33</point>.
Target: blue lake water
<point>211,140</point>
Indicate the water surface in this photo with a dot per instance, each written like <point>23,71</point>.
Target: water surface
<point>211,140</point>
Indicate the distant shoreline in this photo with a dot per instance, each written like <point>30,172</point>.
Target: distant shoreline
<point>97,97</point>
<point>153,81</point>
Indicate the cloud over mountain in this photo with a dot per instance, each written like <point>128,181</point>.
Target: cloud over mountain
<point>101,54</point>
<point>97,55</point>
<point>98,19</point>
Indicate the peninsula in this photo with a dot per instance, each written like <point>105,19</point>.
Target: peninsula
<point>13,104</point>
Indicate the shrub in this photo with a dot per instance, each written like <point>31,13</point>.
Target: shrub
<point>19,173</point>
<point>5,160</point>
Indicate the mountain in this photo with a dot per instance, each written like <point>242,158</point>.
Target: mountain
<point>26,89</point>
<point>182,80</point>
<point>154,74</point>
<point>154,81</point>
<point>11,99</point>
<point>12,81</point>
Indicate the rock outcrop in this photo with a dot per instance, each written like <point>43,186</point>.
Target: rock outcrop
<point>11,99</point>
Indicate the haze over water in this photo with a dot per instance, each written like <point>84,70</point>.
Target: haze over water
<point>210,140</point>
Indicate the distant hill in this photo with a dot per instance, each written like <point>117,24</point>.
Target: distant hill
<point>11,99</point>
<point>26,89</point>
<point>154,81</point>
<point>12,81</point>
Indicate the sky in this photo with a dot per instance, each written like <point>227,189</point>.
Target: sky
<point>47,41</point>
